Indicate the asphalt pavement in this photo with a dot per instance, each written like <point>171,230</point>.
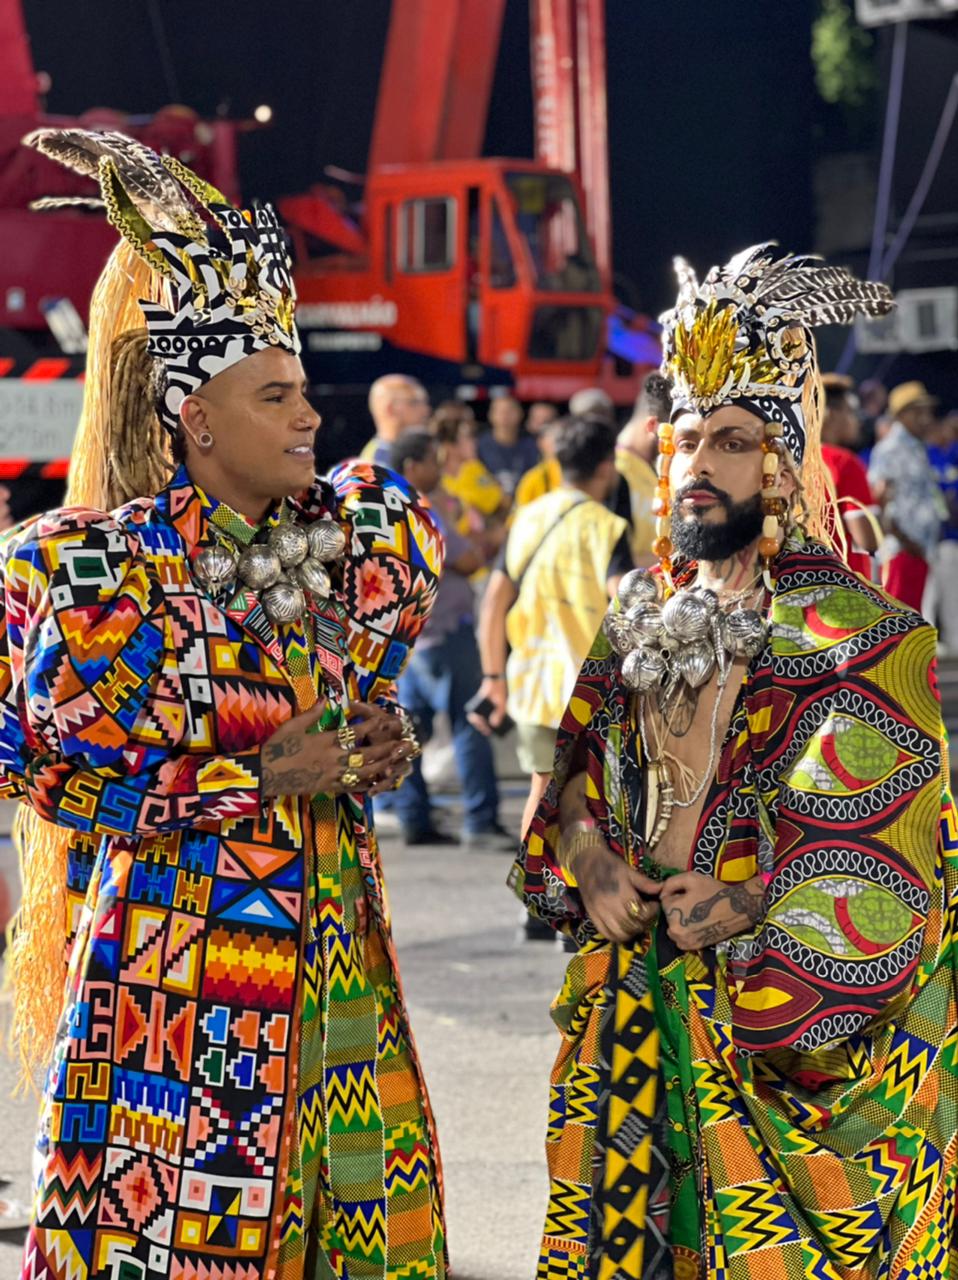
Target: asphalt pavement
<point>479,999</point>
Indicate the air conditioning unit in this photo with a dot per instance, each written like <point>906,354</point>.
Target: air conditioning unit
<point>875,13</point>
<point>878,335</point>
<point>928,319</point>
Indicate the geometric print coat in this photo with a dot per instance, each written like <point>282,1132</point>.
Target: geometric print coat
<point>233,1058</point>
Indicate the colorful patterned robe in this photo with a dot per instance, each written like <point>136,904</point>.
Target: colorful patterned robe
<point>786,1105</point>
<point>234,1064</point>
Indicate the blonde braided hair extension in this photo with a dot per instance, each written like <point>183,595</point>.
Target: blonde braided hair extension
<point>138,458</point>
<point>119,453</point>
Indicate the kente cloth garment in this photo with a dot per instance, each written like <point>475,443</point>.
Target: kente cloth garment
<point>234,1091</point>
<point>785,1105</point>
<point>558,553</point>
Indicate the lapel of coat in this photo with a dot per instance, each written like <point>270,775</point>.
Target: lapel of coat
<point>195,517</point>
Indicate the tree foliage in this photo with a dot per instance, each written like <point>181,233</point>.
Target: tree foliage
<point>844,60</point>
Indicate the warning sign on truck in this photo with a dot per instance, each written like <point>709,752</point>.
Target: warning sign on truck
<point>38,419</point>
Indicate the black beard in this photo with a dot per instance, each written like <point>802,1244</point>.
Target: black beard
<point>695,540</point>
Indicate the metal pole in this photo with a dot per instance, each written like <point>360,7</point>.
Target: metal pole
<point>924,182</point>
<point>886,173</point>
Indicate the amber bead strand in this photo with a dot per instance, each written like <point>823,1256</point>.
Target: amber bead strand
<point>662,503</point>
<point>774,506</point>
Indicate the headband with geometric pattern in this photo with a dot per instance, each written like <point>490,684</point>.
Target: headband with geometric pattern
<point>229,280</point>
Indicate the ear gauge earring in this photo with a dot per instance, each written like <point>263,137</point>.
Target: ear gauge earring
<point>774,506</point>
<point>662,503</point>
<point>204,440</point>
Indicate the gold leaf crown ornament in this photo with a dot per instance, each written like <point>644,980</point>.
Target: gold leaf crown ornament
<point>229,280</point>
<point>744,335</point>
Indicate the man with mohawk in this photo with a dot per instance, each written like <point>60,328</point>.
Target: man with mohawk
<point>749,836</point>
<point>196,705</point>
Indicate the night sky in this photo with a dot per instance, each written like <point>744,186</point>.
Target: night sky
<point>710,105</point>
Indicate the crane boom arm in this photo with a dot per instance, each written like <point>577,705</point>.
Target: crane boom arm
<point>436,80</point>
<point>570,104</point>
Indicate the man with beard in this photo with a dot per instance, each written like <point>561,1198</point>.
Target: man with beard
<point>746,836</point>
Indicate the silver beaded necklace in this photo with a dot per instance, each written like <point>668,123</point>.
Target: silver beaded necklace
<point>293,561</point>
<point>669,650</point>
<point>680,640</point>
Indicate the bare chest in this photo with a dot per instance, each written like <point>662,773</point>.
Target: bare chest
<point>691,759</point>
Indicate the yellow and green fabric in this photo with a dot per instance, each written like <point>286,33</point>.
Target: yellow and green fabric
<point>785,1105</point>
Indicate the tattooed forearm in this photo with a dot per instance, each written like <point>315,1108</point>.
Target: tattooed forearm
<point>712,934</point>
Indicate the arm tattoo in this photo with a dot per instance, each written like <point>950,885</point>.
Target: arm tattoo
<point>288,782</point>
<point>739,898</point>
<point>291,746</point>
<point>712,934</point>
<point>607,877</point>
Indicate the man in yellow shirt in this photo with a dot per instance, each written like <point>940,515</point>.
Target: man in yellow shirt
<point>588,402</point>
<point>635,454</point>
<point>547,596</point>
<point>546,475</point>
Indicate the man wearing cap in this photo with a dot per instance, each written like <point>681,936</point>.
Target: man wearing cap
<point>904,483</point>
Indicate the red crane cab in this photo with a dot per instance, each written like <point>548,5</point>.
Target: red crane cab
<point>462,273</point>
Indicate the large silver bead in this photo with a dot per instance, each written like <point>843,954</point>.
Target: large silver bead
<point>259,567</point>
<point>326,540</point>
<point>709,599</point>
<point>283,602</point>
<point>215,567</point>
<point>747,630</point>
<point>313,576</point>
<point>643,670</point>
<point>695,663</point>
<point>686,616</point>
<point>644,622</point>
<point>616,632</point>
<point>638,586</point>
<point>290,543</point>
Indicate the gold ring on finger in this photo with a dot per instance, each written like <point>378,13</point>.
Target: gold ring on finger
<point>634,909</point>
<point>355,760</point>
<point>347,737</point>
<point>349,778</point>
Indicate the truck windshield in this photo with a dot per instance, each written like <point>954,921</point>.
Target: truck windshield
<point>548,218</point>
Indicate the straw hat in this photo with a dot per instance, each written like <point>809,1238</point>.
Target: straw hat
<point>908,395</point>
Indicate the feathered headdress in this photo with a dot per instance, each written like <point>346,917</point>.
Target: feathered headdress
<point>229,284</point>
<point>744,334</point>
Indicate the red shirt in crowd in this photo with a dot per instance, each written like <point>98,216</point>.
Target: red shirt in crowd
<point>851,481</point>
